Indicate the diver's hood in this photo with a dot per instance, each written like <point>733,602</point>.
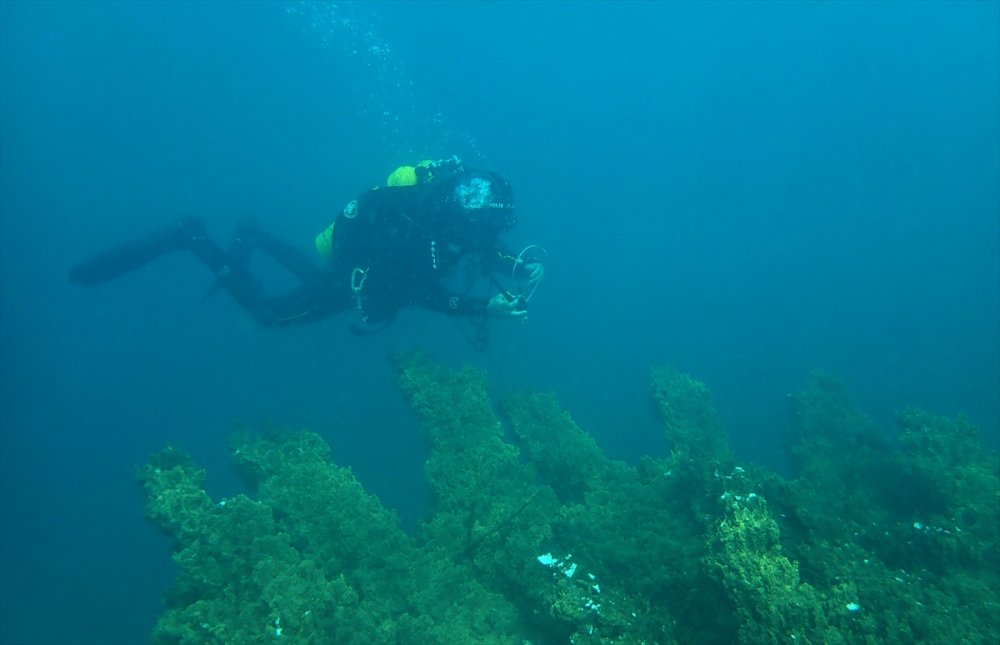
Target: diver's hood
<point>484,196</point>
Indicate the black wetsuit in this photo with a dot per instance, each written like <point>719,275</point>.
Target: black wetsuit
<point>395,250</point>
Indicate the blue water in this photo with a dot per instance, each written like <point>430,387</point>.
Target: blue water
<point>743,191</point>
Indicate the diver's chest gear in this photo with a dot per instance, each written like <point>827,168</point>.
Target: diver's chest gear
<point>398,243</point>
<point>444,256</point>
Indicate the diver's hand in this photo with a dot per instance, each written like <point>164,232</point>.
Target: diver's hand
<point>504,306</point>
<point>536,271</point>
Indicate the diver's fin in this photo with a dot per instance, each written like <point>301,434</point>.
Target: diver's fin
<point>132,255</point>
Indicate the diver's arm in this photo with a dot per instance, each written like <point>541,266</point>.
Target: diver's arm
<point>450,303</point>
<point>502,305</point>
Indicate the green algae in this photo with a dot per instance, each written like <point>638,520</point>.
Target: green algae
<point>533,535</point>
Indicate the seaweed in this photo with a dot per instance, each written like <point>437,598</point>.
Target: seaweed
<point>534,535</point>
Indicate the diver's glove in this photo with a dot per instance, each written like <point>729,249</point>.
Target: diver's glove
<point>504,305</point>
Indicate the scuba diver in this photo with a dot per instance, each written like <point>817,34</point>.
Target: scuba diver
<point>395,246</point>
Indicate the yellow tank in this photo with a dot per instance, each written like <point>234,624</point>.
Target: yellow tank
<point>324,242</point>
<point>403,176</point>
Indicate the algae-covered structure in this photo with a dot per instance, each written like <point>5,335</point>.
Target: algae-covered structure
<point>533,535</point>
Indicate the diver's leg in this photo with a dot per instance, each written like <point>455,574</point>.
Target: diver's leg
<point>306,303</point>
<point>309,302</point>
<point>184,235</point>
<point>249,237</point>
<point>245,289</point>
<point>312,300</point>
<point>297,307</point>
<point>128,257</point>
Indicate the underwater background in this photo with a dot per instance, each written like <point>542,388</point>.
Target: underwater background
<point>742,191</point>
